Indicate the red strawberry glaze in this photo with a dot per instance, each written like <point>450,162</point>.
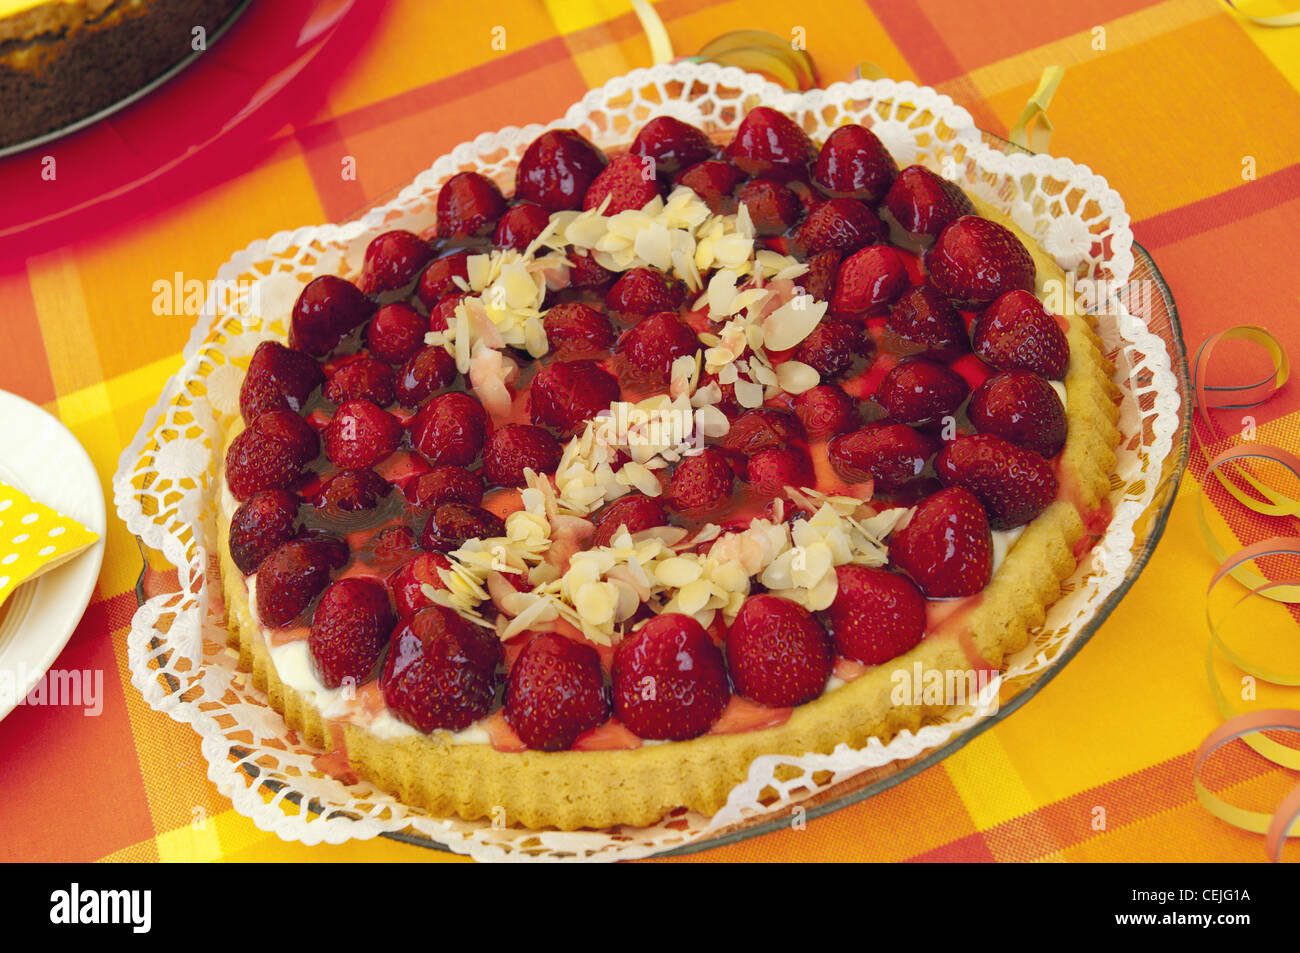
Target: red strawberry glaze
<point>743,715</point>
<point>335,762</point>
<point>297,633</point>
<point>500,735</point>
<point>613,735</point>
<point>847,669</point>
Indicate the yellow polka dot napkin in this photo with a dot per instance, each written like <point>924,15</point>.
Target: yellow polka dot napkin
<point>34,539</point>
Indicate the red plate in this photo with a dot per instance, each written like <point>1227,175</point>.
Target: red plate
<point>210,122</point>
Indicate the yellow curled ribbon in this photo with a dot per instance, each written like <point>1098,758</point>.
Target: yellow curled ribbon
<point>1039,138</point>
<point>1282,823</point>
<point>1227,466</point>
<point>1278,20</point>
<point>661,48</point>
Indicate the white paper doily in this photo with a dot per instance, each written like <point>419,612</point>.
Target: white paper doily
<point>165,486</point>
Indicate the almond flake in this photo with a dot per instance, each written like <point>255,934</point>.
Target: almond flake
<point>712,422</point>
<point>748,394</point>
<point>678,571</point>
<point>596,602</point>
<point>792,322</point>
<point>694,596</point>
<point>795,377</point>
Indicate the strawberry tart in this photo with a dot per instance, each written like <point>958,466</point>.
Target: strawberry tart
<point>565,510</point>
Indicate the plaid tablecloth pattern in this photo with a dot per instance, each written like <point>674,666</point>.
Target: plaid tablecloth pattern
<point>1191,114</point>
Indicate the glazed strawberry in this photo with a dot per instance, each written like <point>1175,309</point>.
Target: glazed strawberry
<point>351,491</point>
<point>762,429</point>
<point>576,331</point>
<point>714,182</point>
<point>669,679</point>
<point>825,410</point>
<point>877,615</point>
<point>441,671</point>
<point>557,169</point>
<point>946,547</point>
<point>439,279</point>
<point>835,346</point>
<point>520,225</point>
<point>917,390</point>
<point>270,453</point>
<point>854,164</point>
<point>1013,484</point>
<point>777,653</point>
<point>819,280</point>
<point>258,394</point>
<point>636,511</point>
<point>555,692</point>
<point>393,260</point>
<point>445,484</point>
<point>278,378</point>
<point>361,378</point>
<point>327,309</point>
<point>844,225</point>
<point>349,629</point>
<point>1017,333</point>
<point>565,394</point>
<point>873,276</point>
<point>770,143</point>
<point>642,291</point>
<point>924,203</point>
<point>1021,407</point>
<point>587,273</point>
<point>628,182</point>
<point>451,525</point>
<point>890,454</point>
<point>672,144</point>
<point>396,332</point>
<point>701,484</point>
<point>772,207</point>
<point>428,371</point>
<point>923,321</point>
<point>514,448</point>
<point>407,582</point>
<point>974,261</point>
<point>653,343</point>
<point>450,428</point>
<point>269,518</point>
<point>443,313</point>
<point>360,435</point>
<point>291,576</point>
<point>469,205</point>
<point>769,472</point>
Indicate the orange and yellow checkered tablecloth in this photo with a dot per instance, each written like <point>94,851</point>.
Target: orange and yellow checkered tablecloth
<point>1176,102</point>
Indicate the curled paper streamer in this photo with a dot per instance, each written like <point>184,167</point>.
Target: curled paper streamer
<point>1278,20</point>
<point>1223,465</point>
<point>1039,138</point>
<point>758,51</point>
<point>661,48</point>
<point>868,70</point>
<point>1276,826</point>
<point>780,59</point>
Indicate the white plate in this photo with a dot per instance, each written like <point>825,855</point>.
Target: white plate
<point>41,457</point>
